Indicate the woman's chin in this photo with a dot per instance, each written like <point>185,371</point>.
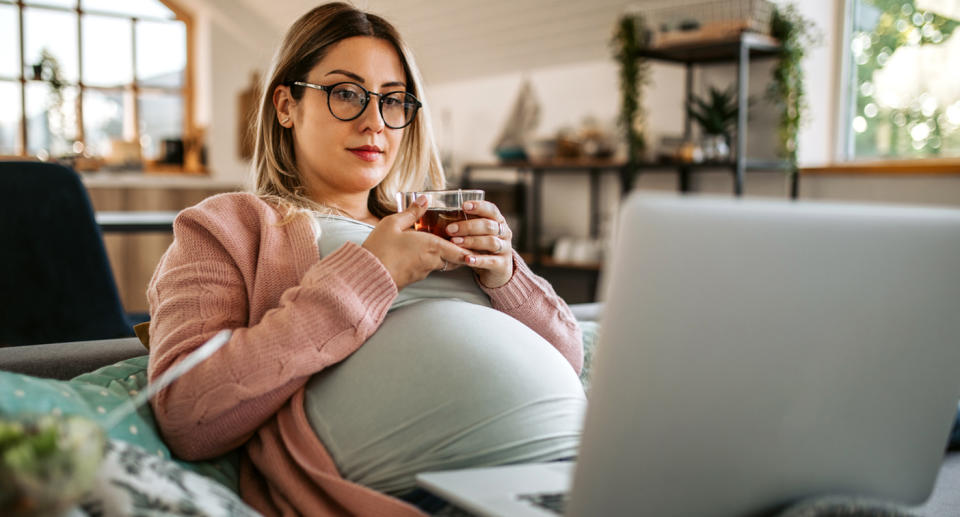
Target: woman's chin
<point>370,173</point>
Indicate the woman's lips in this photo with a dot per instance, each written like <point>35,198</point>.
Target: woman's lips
<point>367,153</point>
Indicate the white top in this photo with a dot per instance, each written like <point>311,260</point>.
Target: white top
<point>446,382</point>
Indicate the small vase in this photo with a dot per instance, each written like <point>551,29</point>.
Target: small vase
<point>715,148</point>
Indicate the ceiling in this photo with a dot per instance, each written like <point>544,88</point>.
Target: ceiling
<point>458,39</point>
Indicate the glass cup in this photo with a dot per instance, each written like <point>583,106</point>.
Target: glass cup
<point>443,207</point>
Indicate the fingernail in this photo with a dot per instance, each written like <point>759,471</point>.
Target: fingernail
<point>452,229</point>
<point>471,260</point>
<point>422,200</point>
<point>468,205</point>
<point>457,240</point>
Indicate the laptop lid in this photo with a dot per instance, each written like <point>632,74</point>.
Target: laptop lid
<point>756,352</point>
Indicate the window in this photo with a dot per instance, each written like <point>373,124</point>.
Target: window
<point>91,76</point>
<point>904,90</point>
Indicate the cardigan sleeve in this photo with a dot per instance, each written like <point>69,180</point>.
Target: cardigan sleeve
<point>531,300</point>
<point>203,284</point>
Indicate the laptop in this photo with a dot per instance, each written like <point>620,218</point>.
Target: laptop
<point>754,353</point>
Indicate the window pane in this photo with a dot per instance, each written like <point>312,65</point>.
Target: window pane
<point>56,3</point>
<point>897,117</point>
<point>9,117</point>
<point>9,42</point>
<point>146,8</point>
<point>161,118</point>
<point>51,119</point>
<point>107,51</point>
<point>103,115</point>
<point>161,53</point>
<point>55,31</point>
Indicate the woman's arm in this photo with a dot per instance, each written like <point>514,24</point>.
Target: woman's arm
<point>214,277</point>
<point>531,300</point>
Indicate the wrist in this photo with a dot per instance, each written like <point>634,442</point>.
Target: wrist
<point>492,280</point>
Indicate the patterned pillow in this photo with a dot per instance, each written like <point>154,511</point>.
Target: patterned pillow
<point>94,395</point>
<point>132,481</point>
<point>590,330</point>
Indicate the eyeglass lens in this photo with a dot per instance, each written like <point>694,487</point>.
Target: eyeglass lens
<point>347,101</point>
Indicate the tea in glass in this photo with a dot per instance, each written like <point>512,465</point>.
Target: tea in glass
<point>444,207</point>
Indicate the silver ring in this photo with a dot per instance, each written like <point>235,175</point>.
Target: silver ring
<point>499,246</point>
<point>499,230</point>
<point>444,268</point>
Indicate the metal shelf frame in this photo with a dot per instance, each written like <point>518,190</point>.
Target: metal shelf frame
<point>740,50</point>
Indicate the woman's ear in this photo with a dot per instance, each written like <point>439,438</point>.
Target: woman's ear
<point>283,102</point>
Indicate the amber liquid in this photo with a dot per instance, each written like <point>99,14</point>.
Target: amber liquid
<point>436,220</point>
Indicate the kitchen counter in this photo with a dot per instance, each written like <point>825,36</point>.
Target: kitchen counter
<point>136,179</point>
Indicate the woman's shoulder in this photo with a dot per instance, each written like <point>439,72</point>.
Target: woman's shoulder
<point>233,202</point>
<point>238,213</point>
<point>231,207</point>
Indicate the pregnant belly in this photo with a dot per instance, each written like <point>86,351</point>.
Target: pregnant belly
<point>445,384</point>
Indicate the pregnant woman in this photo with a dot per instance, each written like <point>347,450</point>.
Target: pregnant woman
<point>362,351</point>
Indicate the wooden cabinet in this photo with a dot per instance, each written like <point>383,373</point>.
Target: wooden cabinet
<point>134,256</point>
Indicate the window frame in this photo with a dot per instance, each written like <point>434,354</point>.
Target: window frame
<point>844,160</point>
<point>186,91</point>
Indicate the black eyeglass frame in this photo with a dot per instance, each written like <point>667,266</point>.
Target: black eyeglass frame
<point>366,100</point>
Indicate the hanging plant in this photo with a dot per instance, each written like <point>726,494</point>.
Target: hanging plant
<point>796,35</point>
<point>629,40</point>
<point>47,69</point>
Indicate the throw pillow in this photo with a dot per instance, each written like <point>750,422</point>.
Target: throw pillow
<point>590,330</point>
<point>94,395</point>
<point>132,481</point>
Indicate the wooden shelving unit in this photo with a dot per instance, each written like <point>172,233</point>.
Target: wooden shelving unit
<point>740,50</point>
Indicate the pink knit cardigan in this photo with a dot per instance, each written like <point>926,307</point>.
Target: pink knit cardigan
<point>233,265</point>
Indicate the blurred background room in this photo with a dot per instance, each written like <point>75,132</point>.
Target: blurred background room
<point>554,107</point>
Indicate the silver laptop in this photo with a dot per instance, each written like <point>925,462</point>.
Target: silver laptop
<point>753,353</point>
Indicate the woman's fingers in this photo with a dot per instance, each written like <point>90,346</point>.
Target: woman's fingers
<point>485,220</point>
<point>490,243</point>
<point>408,217</point>
<point>487,262</point>
<point>441,251</point>
<point>482,209</point>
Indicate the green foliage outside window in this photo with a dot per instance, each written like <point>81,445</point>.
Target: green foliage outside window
<point>920,124</point>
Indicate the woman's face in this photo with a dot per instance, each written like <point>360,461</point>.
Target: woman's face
<point>341,158</point>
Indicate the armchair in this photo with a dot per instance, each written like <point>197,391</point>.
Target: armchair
<point>56,284</point>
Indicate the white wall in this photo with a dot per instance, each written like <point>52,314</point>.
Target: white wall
<point>468,115</point>
<point>230,44</point>
<point>478,108</point>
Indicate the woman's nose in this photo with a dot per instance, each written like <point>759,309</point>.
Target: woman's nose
<point>371,118</point>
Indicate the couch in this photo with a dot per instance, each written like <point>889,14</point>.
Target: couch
<point>93,377</point>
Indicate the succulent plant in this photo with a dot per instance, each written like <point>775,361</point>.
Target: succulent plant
<point>717,113</point>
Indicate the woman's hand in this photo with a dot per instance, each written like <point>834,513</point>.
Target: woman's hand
<point>488,233</point>
<point>407,254</point>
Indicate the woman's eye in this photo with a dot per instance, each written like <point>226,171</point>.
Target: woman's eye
<point>346,95</point>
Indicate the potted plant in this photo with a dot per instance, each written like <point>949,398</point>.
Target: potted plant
<point>717,115</point>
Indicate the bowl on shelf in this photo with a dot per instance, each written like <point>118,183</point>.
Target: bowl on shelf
<point>511,154</point>
<point>541,150</point>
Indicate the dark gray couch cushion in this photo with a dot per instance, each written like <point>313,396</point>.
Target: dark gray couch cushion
<point>67,360</point>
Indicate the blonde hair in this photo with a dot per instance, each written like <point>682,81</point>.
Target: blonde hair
<point>276,177</point>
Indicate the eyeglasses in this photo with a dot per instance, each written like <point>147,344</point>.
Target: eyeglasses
<point>347,101</point>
